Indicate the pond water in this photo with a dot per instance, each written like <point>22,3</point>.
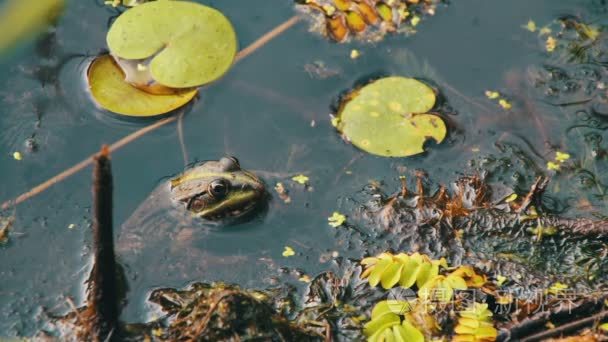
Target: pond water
<point>273,114</point>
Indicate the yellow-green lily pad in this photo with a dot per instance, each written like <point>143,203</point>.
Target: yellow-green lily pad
<point>388,117</point>
<point>183,44</point>
<point>111,92</point>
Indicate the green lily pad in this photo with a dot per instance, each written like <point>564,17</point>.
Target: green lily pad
<point>388,117</point>
<point>182,44</point>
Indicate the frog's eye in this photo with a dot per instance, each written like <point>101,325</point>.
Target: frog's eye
<point>218,188</point>
<point>230,164</point>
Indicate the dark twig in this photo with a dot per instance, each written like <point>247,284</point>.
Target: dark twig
<point>102,299</point>
<point>571,327</point>
<point>567,319</point>
<point>534,194</point>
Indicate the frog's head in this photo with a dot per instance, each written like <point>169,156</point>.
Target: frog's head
<point>218,189</point>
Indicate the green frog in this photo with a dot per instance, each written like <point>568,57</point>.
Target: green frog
<point>206,194</point>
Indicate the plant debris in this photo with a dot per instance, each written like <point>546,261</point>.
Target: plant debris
<point>366,20</point>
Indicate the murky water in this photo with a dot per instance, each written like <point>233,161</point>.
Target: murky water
<point>272,114</point>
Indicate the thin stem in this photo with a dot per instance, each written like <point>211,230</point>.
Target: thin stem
<point>180,135</point>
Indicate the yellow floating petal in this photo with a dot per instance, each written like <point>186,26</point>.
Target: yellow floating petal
<point>288,252</point>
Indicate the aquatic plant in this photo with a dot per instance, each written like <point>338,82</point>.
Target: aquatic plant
<point>160,52</point>
<point>108,87</point>
<point>475,325</point>
<point>389,117</point>
<point>435,289</point>
<point>386,323</point>
<point>367,20</point>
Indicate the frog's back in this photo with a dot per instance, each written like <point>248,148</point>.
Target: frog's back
<point>151,222</point>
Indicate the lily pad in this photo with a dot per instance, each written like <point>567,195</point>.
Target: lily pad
<point>108,88</point>
<point>182,44</point>
<point>388,117</point>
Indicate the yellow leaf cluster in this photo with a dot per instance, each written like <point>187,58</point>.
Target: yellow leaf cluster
<point>387,324</point>
<point>557,288</point>
<point>406,270</point>
<point>472,279</point>
<point>475,325</point>
<point>441,288</point>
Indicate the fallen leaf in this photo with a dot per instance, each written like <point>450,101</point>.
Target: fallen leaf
<point>300,179</point>
<point>336,219</point>
<point>288,252</point>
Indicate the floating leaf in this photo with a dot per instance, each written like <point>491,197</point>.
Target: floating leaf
<point>398,307</point>
<point>557,288</point>
<point>378,270</point>
<point>475,324</point>
<point>388,269</point>
<point>469,275</point>
<point>504,104</point>
<point>551,44</point>
<point>110,91</point>
<point>183,44</point>
<point>387,325</point>
<point>561,156</point>
<point>391,275</point>
<point>380,323</point>
<point>388,117</point>
<point>492,94</point>
<point>336,219</point>
<point>20,19</point>
<point>441,288</point>
<point>530,26</point>
<point>288,252</point>
<point>300,179</point>
<point>552,166</point>
<point>410,333</point>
